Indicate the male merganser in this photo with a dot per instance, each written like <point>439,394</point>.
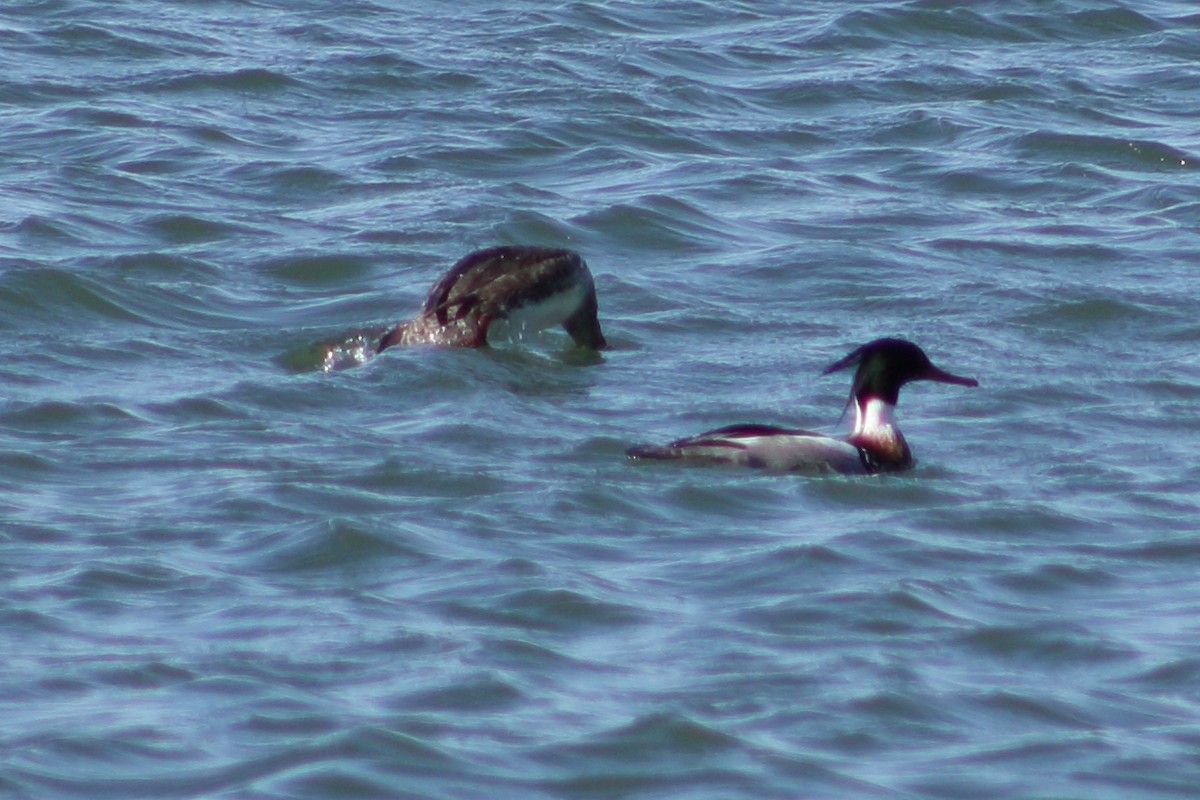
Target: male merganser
<point>875,444</point>
<point>526,288</point>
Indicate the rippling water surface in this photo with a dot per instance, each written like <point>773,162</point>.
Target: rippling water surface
<point>229,573</point>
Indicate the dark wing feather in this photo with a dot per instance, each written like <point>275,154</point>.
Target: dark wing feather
<point>728,435</point>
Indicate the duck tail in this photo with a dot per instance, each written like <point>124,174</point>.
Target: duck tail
<point>654,452</point>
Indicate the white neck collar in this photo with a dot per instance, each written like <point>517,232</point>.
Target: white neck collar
<point>873,415</point>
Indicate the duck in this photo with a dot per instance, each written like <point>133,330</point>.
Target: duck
<point>517,288</point>
<point>874,445</point>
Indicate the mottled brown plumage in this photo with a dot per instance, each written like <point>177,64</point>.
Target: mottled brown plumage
<point>530,287</point>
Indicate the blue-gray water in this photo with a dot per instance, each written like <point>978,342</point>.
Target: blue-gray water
<point>227,573</point>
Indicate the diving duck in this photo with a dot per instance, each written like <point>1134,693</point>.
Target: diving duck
<point>517,288</point>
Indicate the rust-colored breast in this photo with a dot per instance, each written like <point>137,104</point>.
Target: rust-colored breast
<point>884,449</point>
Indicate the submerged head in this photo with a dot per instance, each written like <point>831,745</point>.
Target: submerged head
<point>885,365</point>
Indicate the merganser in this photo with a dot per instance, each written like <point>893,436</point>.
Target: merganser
<point>874,445</point>
<point>525,288</point>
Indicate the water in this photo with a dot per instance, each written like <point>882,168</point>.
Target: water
<point>228,573</point>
